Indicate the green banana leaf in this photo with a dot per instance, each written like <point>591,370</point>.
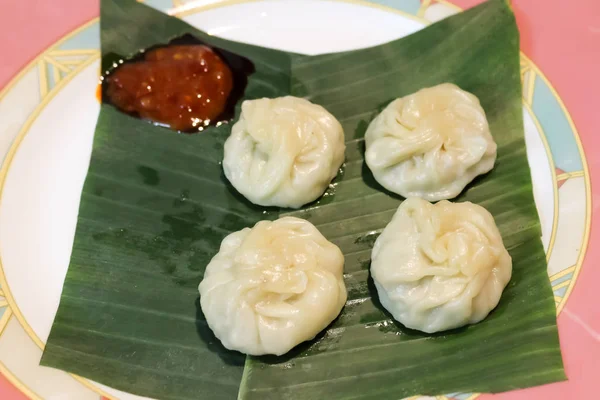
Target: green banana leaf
<point>156,205</point>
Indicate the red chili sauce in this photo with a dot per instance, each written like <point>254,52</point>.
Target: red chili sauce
<point>184,87</point>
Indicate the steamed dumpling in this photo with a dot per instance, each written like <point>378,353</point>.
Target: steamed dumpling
<point>430,144</point>
<point>284,151</point>
<point>441,266</point>
<point>272,287</point>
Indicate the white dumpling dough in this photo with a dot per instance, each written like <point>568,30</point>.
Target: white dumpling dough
<point>284,151</point>
<point>442,266</point>
<point>272,287</point>
<point>430,144</point>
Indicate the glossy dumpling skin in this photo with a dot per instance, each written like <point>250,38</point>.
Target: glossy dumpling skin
<point>442,266</point>
<point>284,151</point>
<point>430,144</point>
<point>273,286</point>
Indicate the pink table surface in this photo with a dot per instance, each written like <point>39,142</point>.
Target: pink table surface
<point>562,37</point>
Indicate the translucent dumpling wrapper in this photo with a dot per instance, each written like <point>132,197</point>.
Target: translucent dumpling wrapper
<point>284,151</point>
<point>442,266</point>
<point>273,286</point>
<point>430,144</point>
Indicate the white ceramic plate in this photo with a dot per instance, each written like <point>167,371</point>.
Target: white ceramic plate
<point>43,174</point>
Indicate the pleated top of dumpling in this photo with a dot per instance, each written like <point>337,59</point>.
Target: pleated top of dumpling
<point>284,151</point>
<point>440,266</point>
<point>430,144</point>
<point>273,286</point>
